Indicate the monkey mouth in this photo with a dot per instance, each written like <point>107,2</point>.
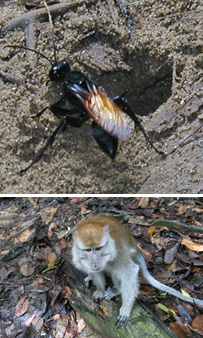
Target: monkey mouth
<point>96,269</point>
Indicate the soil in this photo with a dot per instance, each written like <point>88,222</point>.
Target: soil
<point>151,50</point>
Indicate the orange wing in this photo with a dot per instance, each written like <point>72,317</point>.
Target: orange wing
<point>104,111</point>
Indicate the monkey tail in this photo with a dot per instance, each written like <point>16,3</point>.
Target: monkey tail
<point>152,281</point>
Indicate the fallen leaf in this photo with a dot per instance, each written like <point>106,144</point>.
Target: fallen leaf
<point>29,320</point>
<point>147,255</point>
<point>24,236</point>
<point>151,231</point>
<point>50,212</point>
<point>33,200</point>
<point>67,292</point>
<point>37,281</point>
<point>182,209</point>
<point>52,226</point>
<point>187,259</point>
<point>186,318</point>
<point>63,233</point>
<point>105,309</point>
<point>26,270</point>
<point>191,245</point>
<point>63,244</point>
<point>22,306</point>
<point>144,202</point>
<point>199,210</point>
<point>81,325</point>
<point>84,210</point>
<point>197,323</point>
<point>74,200</point>
<point>52,259</point>
<point>37,322</point>
<point>170,253</point>
<point>180,330</point>
<point>4,273</point>
<point>61,326</point>
<point>56,317</point>
<point>166,309</point>
<point>185,293</point>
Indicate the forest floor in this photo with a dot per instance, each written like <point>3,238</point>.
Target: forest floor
<point>35,233</point>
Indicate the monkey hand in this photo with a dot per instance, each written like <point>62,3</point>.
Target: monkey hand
<point>98,296</point>
<point>111,293</point>
<point>123,317</point>
<point>87,281</point>
<point>121,320</point>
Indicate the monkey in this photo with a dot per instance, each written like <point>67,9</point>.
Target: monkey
<point>104,246</point>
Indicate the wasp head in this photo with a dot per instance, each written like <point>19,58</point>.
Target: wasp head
<point>59,70</point>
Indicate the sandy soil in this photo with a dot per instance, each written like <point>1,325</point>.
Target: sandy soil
<point>150,49</point>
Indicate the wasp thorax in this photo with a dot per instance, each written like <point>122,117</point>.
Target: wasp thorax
<point>59,71</point>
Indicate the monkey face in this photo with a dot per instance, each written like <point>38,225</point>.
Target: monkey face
<point>92,255</point>
<point>92,259</point>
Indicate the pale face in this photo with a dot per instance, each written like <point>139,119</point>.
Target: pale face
<point>93,258</point>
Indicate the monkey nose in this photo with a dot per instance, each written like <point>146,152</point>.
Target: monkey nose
<point>95,265</point>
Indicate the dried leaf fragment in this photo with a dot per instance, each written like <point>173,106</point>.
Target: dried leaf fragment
<point>52,259</point>
<point>24,236</point>
<point>198,323</point>
<point>74,200</point>
<point>143,203</point>
<point>180,330</point>
<point>191,245</point>
<point>22,306</point>
<point>26,270</point>
<point>67,292</point>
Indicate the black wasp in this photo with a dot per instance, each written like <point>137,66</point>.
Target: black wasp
<point>110,117</point>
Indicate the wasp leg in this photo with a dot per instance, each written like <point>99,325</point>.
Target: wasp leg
<point>41,112</point>
<point>55,108</point>
<point>49,142</point>
<point>65,120</point>
<point>120,101</point>
<point>106,142</point>
<point>71,121</point>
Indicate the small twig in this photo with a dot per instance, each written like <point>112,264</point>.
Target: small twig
<point>49,14</point>
<point>58,9</point>
<point>52,28</point>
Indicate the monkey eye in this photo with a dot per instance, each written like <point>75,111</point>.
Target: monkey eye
<point>94,249</point>
<point>88,250</point>
<point>99,248</point>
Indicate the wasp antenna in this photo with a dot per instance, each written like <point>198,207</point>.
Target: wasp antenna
<point>32,50</point>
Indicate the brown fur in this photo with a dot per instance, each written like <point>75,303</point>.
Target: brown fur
<point>91,231</point>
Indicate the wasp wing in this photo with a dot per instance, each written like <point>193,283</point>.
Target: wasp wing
<point>103,110</point>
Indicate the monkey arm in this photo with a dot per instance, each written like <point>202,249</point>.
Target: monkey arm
<point>129,288</point>
<point>152,281</point>
<point>99,281</point>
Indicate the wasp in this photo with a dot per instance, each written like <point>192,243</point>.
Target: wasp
<point>110,117</point>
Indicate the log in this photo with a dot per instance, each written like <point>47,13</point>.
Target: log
<point>101,317</point>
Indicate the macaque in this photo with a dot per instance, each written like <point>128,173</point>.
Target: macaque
<point>104,246</point>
